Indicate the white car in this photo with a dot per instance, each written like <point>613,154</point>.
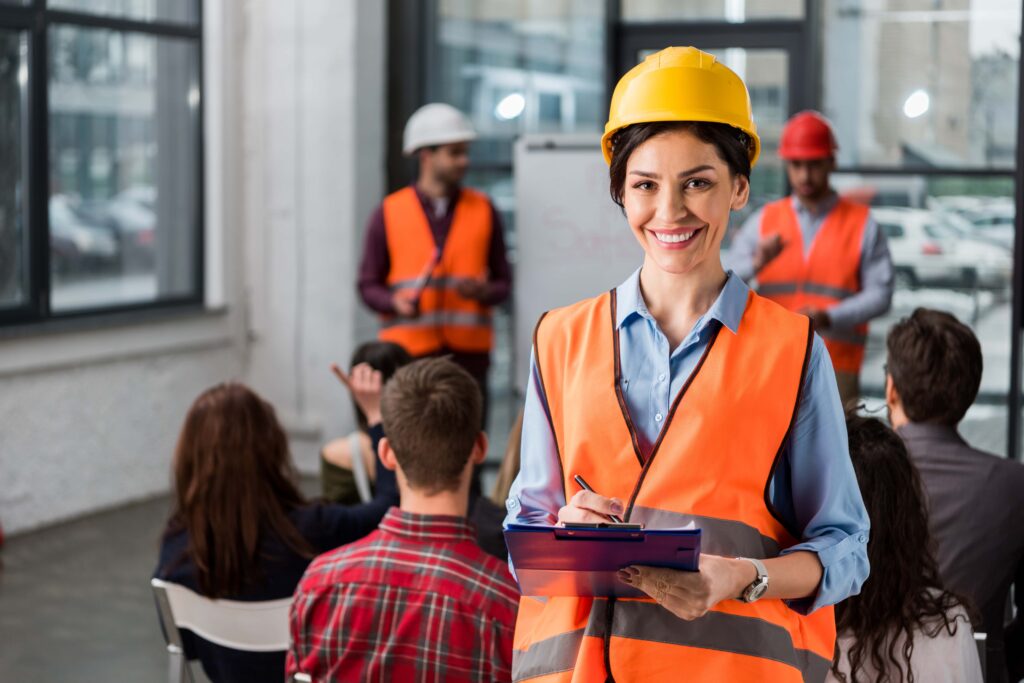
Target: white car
<point>930,251</point>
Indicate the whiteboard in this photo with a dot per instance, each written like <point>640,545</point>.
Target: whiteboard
<point>572,241</point>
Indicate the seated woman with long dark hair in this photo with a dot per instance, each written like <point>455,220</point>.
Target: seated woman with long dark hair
<point>904,625</point>
<point>241,529</point>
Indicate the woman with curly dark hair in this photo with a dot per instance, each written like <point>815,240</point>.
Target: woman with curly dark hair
<point>904,625</point>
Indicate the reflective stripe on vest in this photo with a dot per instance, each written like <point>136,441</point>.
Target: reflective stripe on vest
<point>637,619</point>
<point>446,319</point>
<point>441,319</point>
<point>822,278</point>
<point>711,466</point>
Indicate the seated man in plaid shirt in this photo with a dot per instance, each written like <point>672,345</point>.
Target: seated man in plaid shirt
<point>416,600</point>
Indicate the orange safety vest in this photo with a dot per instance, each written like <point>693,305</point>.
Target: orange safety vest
<point>446,319</point>
<point>711,465</point>
<point>828,275</point>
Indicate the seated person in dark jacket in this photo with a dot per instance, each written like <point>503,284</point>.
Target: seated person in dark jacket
<point>975,501</point>
<point>241,530</point>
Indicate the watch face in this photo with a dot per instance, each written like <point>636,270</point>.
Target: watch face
<point>756,591</point>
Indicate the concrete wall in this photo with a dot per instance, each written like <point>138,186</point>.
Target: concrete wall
<point>294,107</point>
<point>314,169</point>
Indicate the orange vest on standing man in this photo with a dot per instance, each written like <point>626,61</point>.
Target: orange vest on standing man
<point>826,276</point>
<point>711,465</point>
<point>446,319</point>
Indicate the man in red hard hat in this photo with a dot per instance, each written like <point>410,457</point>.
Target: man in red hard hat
<point>817,253</point>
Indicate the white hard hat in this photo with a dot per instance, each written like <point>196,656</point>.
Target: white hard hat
<point>436,124</point>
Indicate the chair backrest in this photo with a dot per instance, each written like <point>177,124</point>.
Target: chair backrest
<point>249,626</point>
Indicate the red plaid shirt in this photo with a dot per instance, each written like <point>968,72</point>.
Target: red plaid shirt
<point>416,600</point>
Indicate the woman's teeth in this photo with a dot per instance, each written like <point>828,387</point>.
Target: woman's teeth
<point>674,238</point>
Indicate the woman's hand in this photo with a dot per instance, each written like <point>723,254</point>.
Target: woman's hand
<point>365,384</point>
<point>689,595</point>
<point>590,508</point>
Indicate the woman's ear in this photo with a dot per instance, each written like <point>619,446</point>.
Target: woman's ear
<point>740,191</point>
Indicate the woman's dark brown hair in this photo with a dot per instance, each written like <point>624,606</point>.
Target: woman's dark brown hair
<point>904,593</point>
<point>733,147</point>
<point>234,485</point>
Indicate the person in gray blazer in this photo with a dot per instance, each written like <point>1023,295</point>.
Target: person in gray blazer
<point>976,499</point>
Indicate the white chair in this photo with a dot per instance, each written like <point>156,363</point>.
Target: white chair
<point>248,626</point>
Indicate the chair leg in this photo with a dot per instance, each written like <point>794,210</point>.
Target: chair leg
<point>178,670</point>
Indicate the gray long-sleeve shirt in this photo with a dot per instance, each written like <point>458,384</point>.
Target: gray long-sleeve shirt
<point>875,294</point>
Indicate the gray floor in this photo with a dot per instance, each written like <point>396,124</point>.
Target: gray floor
<point>75,603</point>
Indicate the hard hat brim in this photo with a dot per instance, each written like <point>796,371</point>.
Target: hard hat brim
<point>440,140</point>
<point>606,139</point>
<point>806,154</point>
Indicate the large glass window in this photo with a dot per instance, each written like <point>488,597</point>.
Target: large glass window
<point>951,242</point>
<point>110,215</point>
<point>521,67</point>
<point>13,213</point>
<point>123,157</point>
<point>923,95</point>
<point>923,83</point>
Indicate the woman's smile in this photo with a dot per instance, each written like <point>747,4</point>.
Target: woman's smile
<point>679,238</point>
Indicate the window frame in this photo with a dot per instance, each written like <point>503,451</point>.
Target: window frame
<point>35,20</point>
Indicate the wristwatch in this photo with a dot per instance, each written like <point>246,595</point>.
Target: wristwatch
<point>759,587</point>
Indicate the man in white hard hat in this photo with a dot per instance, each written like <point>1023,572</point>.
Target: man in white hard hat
<point>434,259</point>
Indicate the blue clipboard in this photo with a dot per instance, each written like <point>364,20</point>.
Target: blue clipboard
<point>582,561</point>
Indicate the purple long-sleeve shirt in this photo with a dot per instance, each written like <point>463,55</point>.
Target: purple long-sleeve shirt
<point>376,263</point>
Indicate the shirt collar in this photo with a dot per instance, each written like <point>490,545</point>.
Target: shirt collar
<point>427,201</point>
<point>727,309</point>
<point>427,528</point>
<point>826,206</point>
<point>928,430</point>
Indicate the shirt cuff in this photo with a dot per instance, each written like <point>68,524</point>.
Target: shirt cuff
<point>844,564</point>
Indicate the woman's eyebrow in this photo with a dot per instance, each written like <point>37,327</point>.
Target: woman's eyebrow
<point>695,169</point>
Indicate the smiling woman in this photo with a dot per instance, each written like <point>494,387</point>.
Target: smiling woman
<point>757,457</point>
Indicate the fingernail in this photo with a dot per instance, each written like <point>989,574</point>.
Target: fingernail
<point>623,576</point>
<point>633,571</point>
<point>617,508</point>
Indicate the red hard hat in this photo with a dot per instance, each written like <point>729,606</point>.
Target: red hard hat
<point>808,135</point>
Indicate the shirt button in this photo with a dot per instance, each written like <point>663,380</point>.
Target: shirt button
<point>862,538</point>
<point>661,377</point>
<point>657,418</point>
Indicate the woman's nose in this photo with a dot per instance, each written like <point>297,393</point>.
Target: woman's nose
<point>671,207</point>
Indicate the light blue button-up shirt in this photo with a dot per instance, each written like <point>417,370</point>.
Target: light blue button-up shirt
<point>814,488</point>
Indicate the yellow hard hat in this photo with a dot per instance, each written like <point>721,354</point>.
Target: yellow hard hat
<point>680,84</point>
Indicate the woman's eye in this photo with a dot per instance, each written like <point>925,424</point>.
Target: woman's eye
<point>644,185</point>
<point>697,183</point>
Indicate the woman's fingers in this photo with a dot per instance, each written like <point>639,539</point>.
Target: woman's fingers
<point>574,514</point>
<point>595,502</point>
<point>340,374</point>
<point>680,592</point>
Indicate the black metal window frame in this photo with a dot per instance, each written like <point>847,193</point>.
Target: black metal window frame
<point>35,19</point>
